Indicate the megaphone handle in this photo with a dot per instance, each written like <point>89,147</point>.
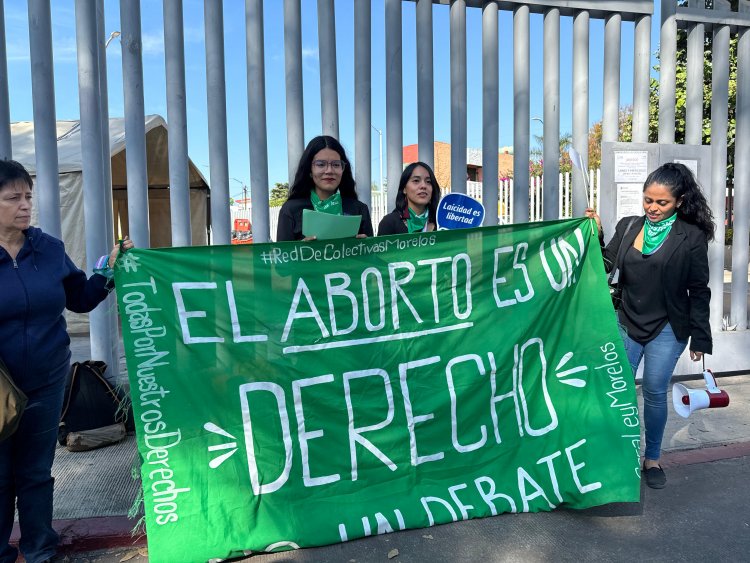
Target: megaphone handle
<point>711,384</point>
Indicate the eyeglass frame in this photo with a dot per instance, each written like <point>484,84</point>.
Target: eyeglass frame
<point>323,165</point>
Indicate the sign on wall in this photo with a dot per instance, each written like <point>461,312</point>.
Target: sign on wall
<point>299,394</point>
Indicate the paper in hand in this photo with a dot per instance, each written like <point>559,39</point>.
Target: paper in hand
<point>326,226</point>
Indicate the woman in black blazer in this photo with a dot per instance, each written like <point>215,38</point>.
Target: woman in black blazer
<point>662,260</point>
<point>323,182</point>
<point>416,202</point>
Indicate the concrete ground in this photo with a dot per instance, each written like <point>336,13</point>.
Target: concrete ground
<point>701,514</point>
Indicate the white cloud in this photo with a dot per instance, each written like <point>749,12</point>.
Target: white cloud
<point>309,53</point>
<point>152,43</point>
<point>310,59</point>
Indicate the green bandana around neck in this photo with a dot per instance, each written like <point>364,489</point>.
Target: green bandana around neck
<point>416,223</point>
<point>654,234</point>
<point>332,205</point>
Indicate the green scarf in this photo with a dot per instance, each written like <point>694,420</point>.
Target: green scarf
<point>416,223</point>
<point>654,234</point>
<point>332,205</point>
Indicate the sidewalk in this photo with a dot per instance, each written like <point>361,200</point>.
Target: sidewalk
<point>95,490</point>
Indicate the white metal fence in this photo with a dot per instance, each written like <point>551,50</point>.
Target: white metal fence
<point>379,202</point>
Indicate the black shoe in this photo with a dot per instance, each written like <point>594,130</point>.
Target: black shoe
<point>655,477</point>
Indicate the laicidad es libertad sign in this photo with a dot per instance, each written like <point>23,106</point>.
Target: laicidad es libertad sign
<point>299,394</point>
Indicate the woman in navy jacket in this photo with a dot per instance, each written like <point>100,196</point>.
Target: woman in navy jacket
<point>38,282</point>
<point>323,182</point>
<point>662,259</point>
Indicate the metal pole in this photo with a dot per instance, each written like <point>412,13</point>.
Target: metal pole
<point>667,73</point>
<point>719,116</point>
<point>425,95</point>
<point>458,95</point>
<point>329,97</point>
<point>179,180</point>
<point>362,101</point>
<point>295,113</point>
<point>611,111</point>
<point>107,309</point>
<point>394,110</point>
<point>551,149</point>
<point>580,107</point>
<point>135,129</point>
<point>6,148</point>
<point>256,118</point>
<point>521,114</point>
<point>217,122</point>
<point>694,86</point>
<point>380,154</point>
<point>45,123</point>
<point>641,78</point>
<point>738,314</point>
<point>89,83</point>
<point>490,111</point>
<point>105,146</point>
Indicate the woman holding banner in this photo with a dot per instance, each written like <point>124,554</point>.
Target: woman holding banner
<point>323,182</point>
<point>416,202</point>
<point>39,281</point>
<point>662,260</point>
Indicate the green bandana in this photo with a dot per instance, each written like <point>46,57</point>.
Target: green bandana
<point>332,205</point>
<point>416,223</point>
<point>654,234</point>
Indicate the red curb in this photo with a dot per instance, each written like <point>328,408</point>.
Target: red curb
<point>86,534</point>
<point>705,455</point>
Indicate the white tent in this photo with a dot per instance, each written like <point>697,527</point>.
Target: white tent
<point>71,187</point>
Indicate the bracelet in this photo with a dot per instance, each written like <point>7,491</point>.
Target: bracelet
<point>102,268</point>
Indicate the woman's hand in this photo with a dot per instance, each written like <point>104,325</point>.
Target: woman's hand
<point>591,214</point>
<point>361,235</point>
<point>696,356</point>
<point>126,244</point>
<point>308,239</point>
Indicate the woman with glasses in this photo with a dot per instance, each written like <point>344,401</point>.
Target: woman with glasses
<point>323,182</point>
<point>417,200</point>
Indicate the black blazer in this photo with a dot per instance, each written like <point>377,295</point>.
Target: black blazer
<point>290,217</point>
<point>684,278</point>
<point>394,223</point>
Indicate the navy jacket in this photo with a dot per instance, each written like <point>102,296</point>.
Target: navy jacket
<point>290,217</point>
<point>684,279</point>
<point>36,288</point>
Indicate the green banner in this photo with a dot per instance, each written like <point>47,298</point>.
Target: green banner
<point>300,394</point>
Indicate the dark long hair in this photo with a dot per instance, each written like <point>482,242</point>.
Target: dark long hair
<point>303,182</point>
<point>693,207</point>
<point>402,204</point>
<point>12,171</point>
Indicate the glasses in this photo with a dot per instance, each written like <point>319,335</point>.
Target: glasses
<point>336,165</point>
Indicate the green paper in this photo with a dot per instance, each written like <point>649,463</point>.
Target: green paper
<point>324,226</point>
<point>300,394</point>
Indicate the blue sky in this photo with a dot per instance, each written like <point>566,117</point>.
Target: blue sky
<point>66,79</point>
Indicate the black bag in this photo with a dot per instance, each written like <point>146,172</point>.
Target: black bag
<point>91,403</point>
<point>12,403</point>
<point>615,291</point>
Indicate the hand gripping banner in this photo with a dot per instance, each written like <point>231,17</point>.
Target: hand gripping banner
<point>300,394</point>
